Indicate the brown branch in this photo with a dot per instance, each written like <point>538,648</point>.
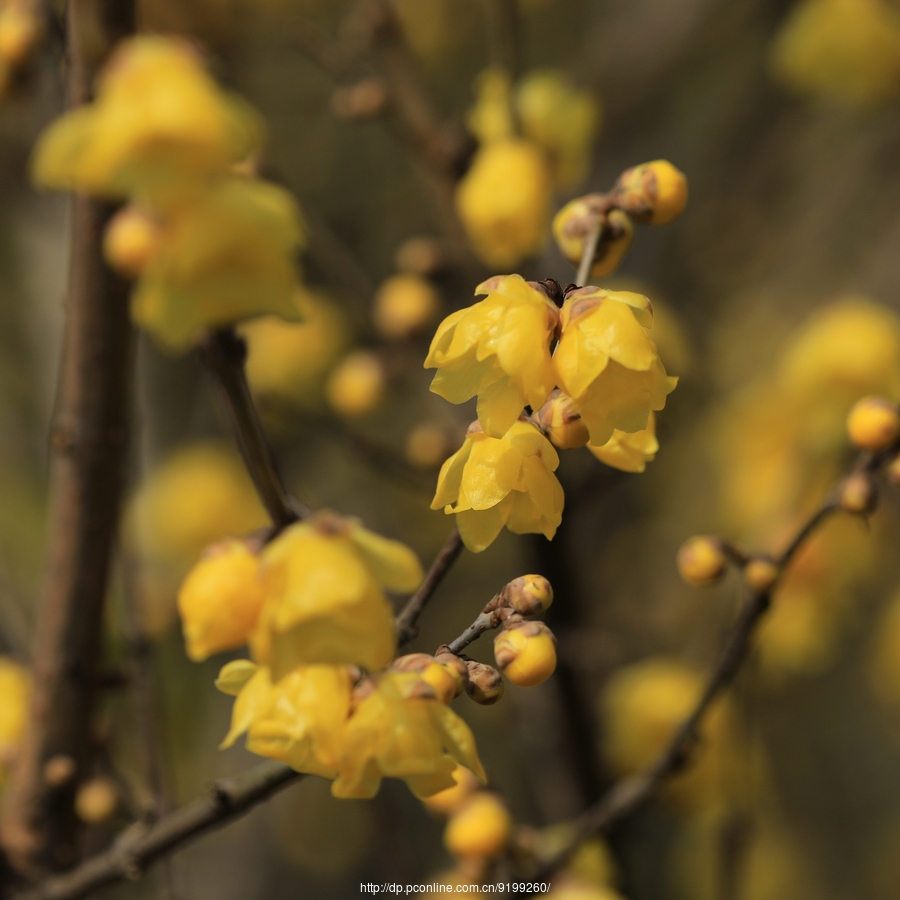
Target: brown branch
<point>140,846</point>
<point>629,794</point>
<point>223,354</point>
<point>592,239</point>
<point>88,450</point>
<point>406,620</point>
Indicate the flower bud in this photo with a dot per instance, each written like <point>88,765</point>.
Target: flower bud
<point>363,100</point>
<point>404,305</point>
<point>485,685</point>
<point>20,28</point>
<point>857,494</point>
<point>356,386</point>
<point>59,770</point>
<point>456,667</point>
<point>701,560</point>
<point>526,653</point>
<point>760,573</point>
<point>96,801</point>
<point>220,599</point>
<point>653,193</point>
<point>529,595</point>
<point>481,828</point>
<point>892,472</point>
<point>426,446</point>
<point>574,222</point>
<point>448,801</point>
<point>873,423</point>
<point>130,241</point>
<point>561,422</point>
<point>441,678</point>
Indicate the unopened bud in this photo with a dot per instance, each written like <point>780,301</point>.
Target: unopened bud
<point>356,386</point>
<point>701,560</point>
<point>485,685</point>
<point>526,653</point>
<point>59,770</point>
<point>404,305</point>
<point>130,241</point>
<point>653,193</point>
<point>760,573</point>
<point>20,29</point>
<point>561,421</point>
<point>857,494</point>
<point>456,667</point>
<point>873,423</point>
<point>529,595</point>
<point>442,680</point>
<point>481,828</point>
<point>96,800</point>
<point>363,100</point>
<point>575,221</point>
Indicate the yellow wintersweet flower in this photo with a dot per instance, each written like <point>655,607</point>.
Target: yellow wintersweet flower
<point>324,603</point>
<point>629,452</point>
<point>227,256</point>
<point>501,481</point>
<point>15,689</point>
<point>499,349</point>
<point>296,720</point>
<point>560,117</point>
<point>504,201</point>
<point>158,122</point>
<point>399,729</point>
<point>607,362</point>
<point>848,50</point>
<point>220,599</point>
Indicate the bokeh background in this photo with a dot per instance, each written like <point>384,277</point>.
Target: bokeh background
<point>776,296</point>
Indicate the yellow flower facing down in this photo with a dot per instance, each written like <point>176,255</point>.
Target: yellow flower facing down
<point>15,689</point>
<point>297,719</point>
<point>324,603</point>
<point>225,257</point>
<point>607,363</point>
<point>399,729</point>
<point>629,452</point>
<point>158,120</point>
<point>220,600</point>
<point>504,202</point>
<point>497,349</point>
<point>491,482</point>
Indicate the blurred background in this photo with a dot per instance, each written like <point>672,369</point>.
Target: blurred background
<point>777,306</point>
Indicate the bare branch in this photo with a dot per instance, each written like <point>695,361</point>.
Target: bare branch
<point>223,354</point>
<point>140,846</point>
<point>406,620</point>
<point>88,450</point>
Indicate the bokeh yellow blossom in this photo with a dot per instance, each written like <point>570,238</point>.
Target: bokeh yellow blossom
<point>399,729</point>
<point>629,451</point>
<point>404,304</point>
<point>491,482</point>
<point>497,349</point>
<point>504,202</point>
<point>324,603</point>
<point>159,123</point>
<point>287,361</point>
<point>227,256</point>
<point>845,50</point>
<point>607,362</point>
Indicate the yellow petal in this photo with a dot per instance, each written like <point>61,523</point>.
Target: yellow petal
<point>459,740</point>
<point>234,675</point>
<point>450,477</point>
<point>498,407</point>
<point>479,528</point>
<point>252,702</point>
<point>395,566</point>
<point>490,473</point>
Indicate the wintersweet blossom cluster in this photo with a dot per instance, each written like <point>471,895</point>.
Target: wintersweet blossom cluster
<point>311,606</point>
<point>590,373</point>
<point>207,243</point>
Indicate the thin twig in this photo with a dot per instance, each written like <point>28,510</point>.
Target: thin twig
<point>223,354</point>
<point>88,451</point>
<point>140,846</point>
<point>591,240</point>
<point>406,620</point>
<point>631,793</point>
